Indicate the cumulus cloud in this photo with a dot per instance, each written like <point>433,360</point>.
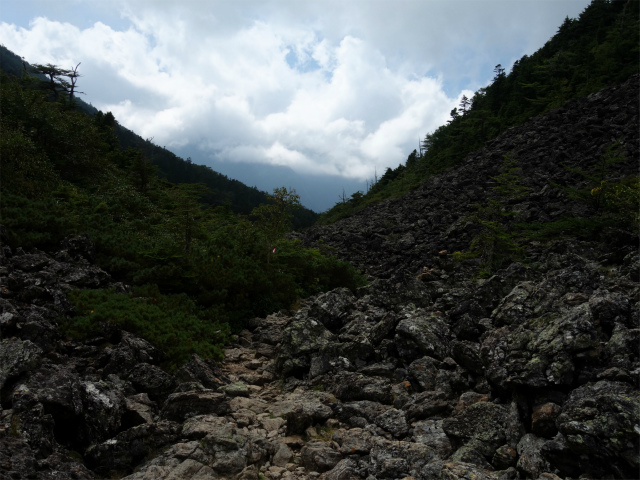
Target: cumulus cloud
<point>334,88</point>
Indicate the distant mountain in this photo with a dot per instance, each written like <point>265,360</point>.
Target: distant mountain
<point>223,190</point>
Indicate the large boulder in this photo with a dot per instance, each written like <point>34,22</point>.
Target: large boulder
<point>486,424</point>
<point>302,410</point>
<point>542,352</point>
<point>422,333</point>
<point>302,337</point>
<point>600,420</point>
<point>16,357</point>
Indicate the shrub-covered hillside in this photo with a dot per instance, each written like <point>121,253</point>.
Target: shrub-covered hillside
<point>63,173</point>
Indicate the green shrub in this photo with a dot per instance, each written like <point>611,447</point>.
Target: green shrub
<point>497,244</point>
<point>172,323</point>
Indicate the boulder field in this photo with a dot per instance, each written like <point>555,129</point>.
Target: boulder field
<point>531,371</point>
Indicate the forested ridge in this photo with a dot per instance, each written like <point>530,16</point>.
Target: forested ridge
<point>222,190</point>
<point>599,48</point>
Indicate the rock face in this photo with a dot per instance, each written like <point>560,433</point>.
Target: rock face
<point>425,373</point>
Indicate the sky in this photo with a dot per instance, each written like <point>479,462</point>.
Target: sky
<point>319,96</point>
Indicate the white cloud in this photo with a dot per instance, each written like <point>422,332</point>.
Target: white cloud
<point>325,87</point>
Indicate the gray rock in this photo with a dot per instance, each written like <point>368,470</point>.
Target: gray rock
<point>393,421</point>
<point>424,372</point>
<point>139,409</point>
<point>154,381</point>
<point>122,453</point>
<point>427,404</point>
<point>236,389</point>
<point>302,337</point>
<point>182,405</point>
<point>353,441</point>
<point>531,461</point>
<point>282,456</point>
<point>318,456</point>
<point>543,419</point>
<point>430,433</point>
<point>200,370</point>
<point>17,356</point>
<point>332,309</point>
<point>472,452</point>
<point>505,457</point>
<point>421,333</point>
<point>302,410</point>
<point>352,386</point>
<point>399,459</point>
<point>542,352</point>
<point>483,422</point>
<point>600,420</point>
<point>345,469</point>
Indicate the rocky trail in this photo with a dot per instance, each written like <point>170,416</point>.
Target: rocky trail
<point>425,373</point>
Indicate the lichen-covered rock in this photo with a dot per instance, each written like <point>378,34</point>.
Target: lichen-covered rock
<point>200,370</point>
<point>302,337</point>
<point>622,350</point>
<point>484,422</point>
<point>600,420</point>
<point>122,453</point>
<point>319,457</point>
<point>431,433</point>
<point>349,386</point>
<point>17,460</point>
<point>182,460</point>
<point>424,372</point>
<point>302,410</point>
<point>398,459</point>
<point>30,422</point>
<point>610,308</point>
<point>230,450</point>
<point>353,441</point>
<point>541,352</point>
<point>127,354</point>
<point>182,405</point>
<point>531,462</point>
<point>236,389</point>
<point>17,356</point>
<point>505,457</point>
<point>152,380</point>
<point>139,409</point>
<point>543,419</point>
<point>103,408</point>
<point>421,333</point>
<point>282,456</point>
<point>332,309</point>
<point>345,355</point>
<point>472,452</point>
<point>427,404</point>
<point>439,470</point>
<point>393,421</point>
<point>345,469</point>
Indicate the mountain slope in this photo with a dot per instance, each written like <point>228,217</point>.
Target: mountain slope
<point>599,48</point>
<point>428,373</point>
<point>403,235</point>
